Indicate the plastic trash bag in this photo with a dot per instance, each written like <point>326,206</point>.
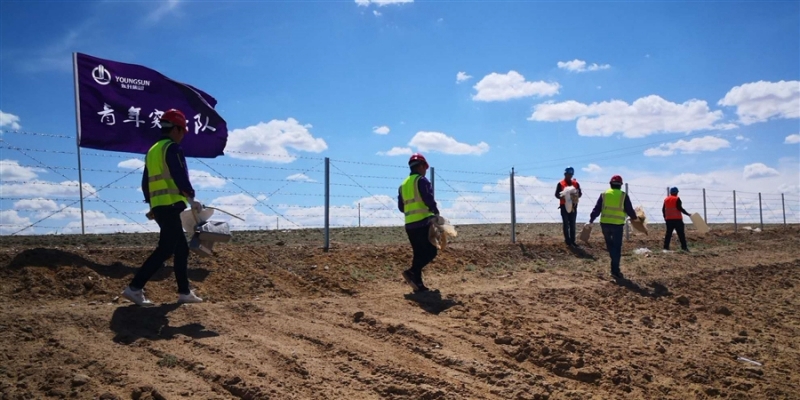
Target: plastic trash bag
<point>440,229</point>
<point>189,222</point>
<point>586,232</point>
<point>570,195</point>
<point>699,224</point>
<point>204,232</point>
<point>641,223</point>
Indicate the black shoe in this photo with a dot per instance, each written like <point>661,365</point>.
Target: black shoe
<point>618,276</point>
<point>422,288</point>
<point>686,249</point>
<point>410,281</point>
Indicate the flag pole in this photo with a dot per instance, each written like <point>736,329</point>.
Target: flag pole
<point>78,136</point>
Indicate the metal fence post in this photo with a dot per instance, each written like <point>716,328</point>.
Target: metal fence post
<point>760,214</point>
<point>359,215</point>
<point>783,206</point>
<point>627,224</point>
<point>735,225</point>
<point>667,190</point>
<point>513,210</point>
<point>327,245</point>
<point>705,213</point>
<point>433,181</point>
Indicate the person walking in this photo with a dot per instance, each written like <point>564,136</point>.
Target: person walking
<point>415,200</point>
<point>166,187</point>
<point>612,206</point>
<point>673,215</point>
<point>568,218</point>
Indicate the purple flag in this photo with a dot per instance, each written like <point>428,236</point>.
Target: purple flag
<point>119,106</point>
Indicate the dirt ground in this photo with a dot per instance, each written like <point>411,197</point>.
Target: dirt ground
<point>285,320</point>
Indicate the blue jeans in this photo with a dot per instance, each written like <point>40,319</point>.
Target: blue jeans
<point>568,224</point>
<point>613,236</point>
<point>171,241</point>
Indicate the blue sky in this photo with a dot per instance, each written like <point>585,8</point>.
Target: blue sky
<point>686,93</point>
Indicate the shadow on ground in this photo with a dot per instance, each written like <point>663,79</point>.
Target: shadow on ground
<point>658,289</point>
<point>134,322</point>
<point>54,258</point>
<point>432,301</point>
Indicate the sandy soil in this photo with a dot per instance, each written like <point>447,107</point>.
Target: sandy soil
<point>285,320</point>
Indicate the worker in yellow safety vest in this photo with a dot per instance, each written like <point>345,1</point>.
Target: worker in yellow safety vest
<point>612,207</point>
<point>415,200</point>
<point>166,187</point>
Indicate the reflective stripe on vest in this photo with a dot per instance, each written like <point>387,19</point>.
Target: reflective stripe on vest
<point>414,207</point>
<point>613,207</point>
<point>564,186</point>
<point>671,211</point>
<point>162,188</point>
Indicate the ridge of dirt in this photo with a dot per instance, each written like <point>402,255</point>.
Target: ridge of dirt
<point>511,321</point>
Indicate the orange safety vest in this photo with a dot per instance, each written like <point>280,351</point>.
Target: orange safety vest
<point>671,211</point>
<point>564,186</point>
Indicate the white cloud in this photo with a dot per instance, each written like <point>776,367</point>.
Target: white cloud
<point>299,177</point>
<point>437,141</point>
<point>10,170</point>
<point>591,168</point>
<point>396,151</point>
<point>204,179</point>
<point>696,145</point>
<point>792,139</point>
<point>376,13</point>
<point>271,141</point>
<point>693,180</point>
<point>758,170</point>
<point>132,163</point>
<point>645,116</point>
<point>760,101</point>
<point>501,87</point>
<point>37,204</point>
<point>10,222</point>
<point>98,222</point>
<point>381,3</point>
<point>381,130</point>
<point>165,8</point>
<point>462,77</point>
<point>742,138</point>
<point>10,120</point>
<point>503,185</point>
<point>580,66</point>
<point>38,188</point>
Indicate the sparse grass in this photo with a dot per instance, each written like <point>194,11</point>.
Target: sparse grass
<point>168,361</point>
<point>470,267</point>
<point>361,275</point>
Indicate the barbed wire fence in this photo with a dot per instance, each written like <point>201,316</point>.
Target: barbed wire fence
<point>40,193</point>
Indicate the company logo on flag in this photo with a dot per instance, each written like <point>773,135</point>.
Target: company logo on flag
<point>119,106</point>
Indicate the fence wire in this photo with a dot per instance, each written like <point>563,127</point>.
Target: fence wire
<point>40,192</point>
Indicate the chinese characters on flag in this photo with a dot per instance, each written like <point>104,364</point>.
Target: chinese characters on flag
<point>119,106</point>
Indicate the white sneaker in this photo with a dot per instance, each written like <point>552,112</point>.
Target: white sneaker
<point>136,296</point>
<point>189,298</point>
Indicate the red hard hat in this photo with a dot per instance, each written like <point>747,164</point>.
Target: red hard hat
<point>175,117</point>
<point>616,179</point>
<point>416,158</point>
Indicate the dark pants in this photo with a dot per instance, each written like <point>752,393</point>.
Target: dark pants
<point>568,224</point>
<point>171,241</point>
<point>675,225</point>
<point>424,251</point>
<point>613,236</point>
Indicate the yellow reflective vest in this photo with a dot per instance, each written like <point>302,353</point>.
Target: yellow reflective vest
<point>414,207</point>
<point>613,207</point>
<point>163,191</point>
